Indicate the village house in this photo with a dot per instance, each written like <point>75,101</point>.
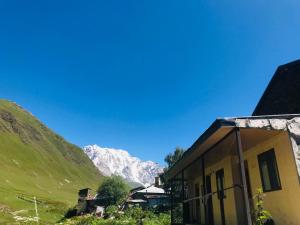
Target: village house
<point>88,202</point>
<point>150,197</point>
<point>215,181</point>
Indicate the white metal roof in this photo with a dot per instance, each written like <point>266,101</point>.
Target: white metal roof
<point>152,189</point>
<point>136,201</point>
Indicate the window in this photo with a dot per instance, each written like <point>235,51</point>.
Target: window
<point>269,171</point>
<point>220,184</point>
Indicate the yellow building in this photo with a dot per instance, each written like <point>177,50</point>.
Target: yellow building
<point>216,180</point>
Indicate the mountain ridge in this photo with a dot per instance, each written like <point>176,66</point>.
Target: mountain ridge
<point>112,161</point>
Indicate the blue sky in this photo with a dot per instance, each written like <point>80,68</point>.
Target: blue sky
<point>145,76</point>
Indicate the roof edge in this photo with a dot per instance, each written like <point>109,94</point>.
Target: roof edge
<point>217,124</point>
<point>226,122</point>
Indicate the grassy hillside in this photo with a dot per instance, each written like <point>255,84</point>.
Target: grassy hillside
<point>34,161</point>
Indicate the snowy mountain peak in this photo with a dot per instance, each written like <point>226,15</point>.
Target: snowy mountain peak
<point>111,161</point>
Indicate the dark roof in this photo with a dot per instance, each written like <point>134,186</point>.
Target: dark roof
<point>282,95</point>
<point>85,189</point>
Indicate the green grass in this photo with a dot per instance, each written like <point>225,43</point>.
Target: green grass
<point>37,162</point>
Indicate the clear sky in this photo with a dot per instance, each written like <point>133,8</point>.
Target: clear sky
<point>145,76</point>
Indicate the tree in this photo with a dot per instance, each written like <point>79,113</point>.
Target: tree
<point>113,190</point>
<point>173,157</point>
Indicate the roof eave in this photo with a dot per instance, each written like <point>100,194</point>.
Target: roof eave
<point>221,123</point>
<point>215,126</point>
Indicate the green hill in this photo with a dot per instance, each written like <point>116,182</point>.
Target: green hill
<point>34,161</point>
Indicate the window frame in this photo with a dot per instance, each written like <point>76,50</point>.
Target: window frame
<point>262,157</point>
<point>220,190</point>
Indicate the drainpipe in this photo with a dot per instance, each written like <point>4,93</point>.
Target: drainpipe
<point>242,170</point>
<point>204,192</point>
<point>182,192</point>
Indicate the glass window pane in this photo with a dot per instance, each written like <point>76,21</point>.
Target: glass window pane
<point>274,176</point>
<point>265,176</point>
<point>269,171</point>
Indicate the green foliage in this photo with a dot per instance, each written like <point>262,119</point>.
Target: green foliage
<point>133,216</point>
<point>136,213</point>
<point>37,162</point>
<point>71,212</point>
<point>113,190</point>
<point>173,157</point>
<point>261,216</point>
<point>112,211</point>
<point>162,219</point>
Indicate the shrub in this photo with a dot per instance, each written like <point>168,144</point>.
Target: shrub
<point>133,216</point>
<point>112,211</point>
<point>161,219</point>
<point>135,213</point>
<point>261,216</point>
<point>70,213</point>
<point>113,190</point>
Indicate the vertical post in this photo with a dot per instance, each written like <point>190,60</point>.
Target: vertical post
<point>36,211</point>
<point>182,198</point>
<point>243,174</point>
<point>204,188</point>
<point>172,204</point>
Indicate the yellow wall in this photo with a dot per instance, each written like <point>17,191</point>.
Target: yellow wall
<point>192,194</point>
<point>283,204</point>
<point>229,203</point>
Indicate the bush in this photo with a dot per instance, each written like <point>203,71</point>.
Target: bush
<point>262,216</point>
<point>70,213</point>
<point>112,212</point>
<point>162,219</point>
<point>113,190</point>
<point>133,216</point>
<point>135,213</point>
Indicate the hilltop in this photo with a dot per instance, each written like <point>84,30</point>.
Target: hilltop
<point>35,161</point>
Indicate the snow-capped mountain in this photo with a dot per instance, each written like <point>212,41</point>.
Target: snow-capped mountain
<point>111,161</point>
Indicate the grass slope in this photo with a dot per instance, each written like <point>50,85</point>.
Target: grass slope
<point>34,161</point>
